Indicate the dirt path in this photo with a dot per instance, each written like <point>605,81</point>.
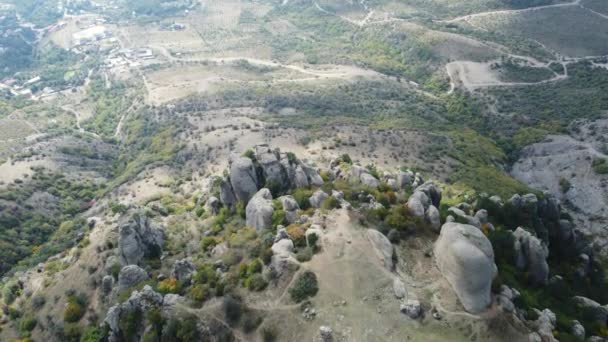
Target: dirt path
<point>514,11</point>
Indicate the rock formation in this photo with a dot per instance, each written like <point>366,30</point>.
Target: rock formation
<point>466,259</point>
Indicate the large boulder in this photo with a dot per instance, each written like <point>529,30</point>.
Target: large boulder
<point>314,178</point>
<point>433,218</point>
<point>301,179</point>
<point>466,259</point>
<point>282,261</point>
<point>369,180</point>
<point>183,270</point>
<point>383,248</point>
<point>531,255</point>
<point>139,238</point>
<point>418,203</point>
<point>130,276</point>
<point>259,210</point>
<point>243,178</point>
<point>318,198</point>
<point>432,191</point>
<point>290,207</point>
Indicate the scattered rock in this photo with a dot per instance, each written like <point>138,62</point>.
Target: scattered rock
<point>466,258</point>
<point>326,334</point>
<point>399,288</point>
<point>411,308</point>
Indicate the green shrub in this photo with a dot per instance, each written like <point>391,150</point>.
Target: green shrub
<point>255,267</point>
<point>304,287</point>
<point>199,292</point>
<point>27,324</point>
<point>208,242</point>
<point>169,285</point>
<point>331,203</point>
<point>72,332</point>
<point>251,322</point>
<point>301,196</point>
<point>564,185</point>
<point>10,292</point>
<point>91,334</point>
<point>345,158</point>
<point>269,334</point>
<point>305,254</point>
<point>249,154</point>
<point>278,218</point>
<point>256,282</point>
<point>233,309</point>
<point>240,210</point>
<point>600,166</point>
<point>75,309</point>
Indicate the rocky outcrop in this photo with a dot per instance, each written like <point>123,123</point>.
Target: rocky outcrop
<point>130,276</point>
<point>423,203</point>
<point>274,172</point>
<point>183,270</point>
<point>259,210</point>
<point>139,303</point>
<point>243,178</point>
<point>405,179</point>
<point>139,238</point>
<point>531,255</point>
<point>466,259</point>
<point>383,248</point>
